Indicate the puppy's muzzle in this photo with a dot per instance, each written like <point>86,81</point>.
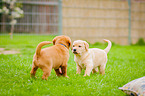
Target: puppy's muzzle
<point>75,51</point>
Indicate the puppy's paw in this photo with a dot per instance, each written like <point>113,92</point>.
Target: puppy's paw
<point>44,78</point>
<point>78,72</point>
<point>32,76</point>
<point>66,76</point>
<point>86,75</point>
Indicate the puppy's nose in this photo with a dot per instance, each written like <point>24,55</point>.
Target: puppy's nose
<point>75,50</point>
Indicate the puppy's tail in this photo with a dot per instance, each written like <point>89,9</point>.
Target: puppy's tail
<point>109,45</point>
<point>38,49</point>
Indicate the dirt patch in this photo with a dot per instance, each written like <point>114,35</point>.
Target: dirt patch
<point>3,51</point>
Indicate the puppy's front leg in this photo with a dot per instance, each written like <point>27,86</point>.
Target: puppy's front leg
<point>88,69</point>
<point>79,69</point>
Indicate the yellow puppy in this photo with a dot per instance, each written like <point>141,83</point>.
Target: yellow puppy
<point>90,59</point>
<point>55,57</point>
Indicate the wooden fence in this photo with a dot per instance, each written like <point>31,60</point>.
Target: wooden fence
<point>91,20</point>
<point>40,17</point>
<point>94,20</point>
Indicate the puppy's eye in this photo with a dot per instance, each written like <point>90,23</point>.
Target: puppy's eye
<point>80,46</point>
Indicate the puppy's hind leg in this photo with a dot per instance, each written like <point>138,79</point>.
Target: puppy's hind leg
<point>64,71</point>
<point>46,72</point>
<point>95,70</point>
<point>102,69</point>
<point>58,73</point>
<point>33,70</point>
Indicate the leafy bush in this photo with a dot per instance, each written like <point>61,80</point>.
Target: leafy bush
<point>140,42</point>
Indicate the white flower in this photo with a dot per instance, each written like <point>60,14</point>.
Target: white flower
<point>8,1</point>
<point>13,22</point>
<point>17,12</point>
<point>21,12</point>
<point>5,10</point>
<point>17,9</point>
<point>4,0</point>
<point>16,15</point>
<point>1,10</point>
<point>12,2</point>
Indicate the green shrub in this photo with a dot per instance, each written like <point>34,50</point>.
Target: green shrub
<point>140,42</point>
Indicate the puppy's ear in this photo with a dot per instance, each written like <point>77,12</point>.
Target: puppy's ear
<point>69,42</point>
<point>54,40</point>
<point>86,45</point>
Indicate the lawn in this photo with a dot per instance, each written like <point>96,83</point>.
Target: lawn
<point>125,63</point>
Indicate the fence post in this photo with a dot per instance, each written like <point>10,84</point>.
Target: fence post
<point>129,25</point>
<point>60,17</point>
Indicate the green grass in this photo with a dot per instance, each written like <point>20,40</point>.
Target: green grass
<point>125,63</point>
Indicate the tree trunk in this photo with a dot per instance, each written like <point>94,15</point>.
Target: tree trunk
<point>12,30</point>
